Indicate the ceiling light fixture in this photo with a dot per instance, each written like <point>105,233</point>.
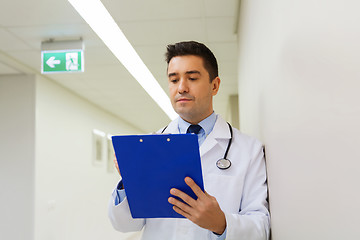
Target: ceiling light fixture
<point>102,23</point>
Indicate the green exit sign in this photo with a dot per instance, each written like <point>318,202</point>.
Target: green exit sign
<point>61,61</point>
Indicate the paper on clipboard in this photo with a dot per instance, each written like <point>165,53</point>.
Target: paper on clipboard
<point>151,165</point>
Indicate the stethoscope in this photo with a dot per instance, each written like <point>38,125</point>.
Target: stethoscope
<point>222,163</point>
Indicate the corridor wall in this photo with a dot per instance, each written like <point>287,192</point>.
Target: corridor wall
<point>72,192</point>
<point>17,156</point>
<point>298,93</point>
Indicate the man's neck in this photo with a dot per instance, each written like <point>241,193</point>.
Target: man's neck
<point>196,120</point>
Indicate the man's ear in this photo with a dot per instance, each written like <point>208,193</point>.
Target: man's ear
<point>215,85</point>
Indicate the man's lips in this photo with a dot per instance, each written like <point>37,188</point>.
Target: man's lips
<point>183,100</point>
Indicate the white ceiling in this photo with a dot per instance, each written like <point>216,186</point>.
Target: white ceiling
<point>148,25</point>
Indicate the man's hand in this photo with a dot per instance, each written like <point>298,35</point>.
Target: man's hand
<point>116,165</point>
<point>205,211</point>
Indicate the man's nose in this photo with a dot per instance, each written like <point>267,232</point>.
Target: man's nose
<point>183,86</point>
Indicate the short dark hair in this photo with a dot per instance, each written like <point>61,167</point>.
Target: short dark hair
<point>196,49</point>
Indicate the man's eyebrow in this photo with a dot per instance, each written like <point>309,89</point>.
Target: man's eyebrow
<point>187,72</point>
<point>193,72</point>
<point>172,74</point>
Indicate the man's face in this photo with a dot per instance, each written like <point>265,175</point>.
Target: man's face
<point>190,88</point>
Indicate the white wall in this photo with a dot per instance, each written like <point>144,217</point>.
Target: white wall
<point>17,156</point>
<point>232,111</point>
<point>71,193</point>
<point>299,84</point>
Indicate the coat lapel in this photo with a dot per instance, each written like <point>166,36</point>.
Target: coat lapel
<point>219,133</point>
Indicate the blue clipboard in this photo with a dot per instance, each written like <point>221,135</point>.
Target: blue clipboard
<point>151,165</point>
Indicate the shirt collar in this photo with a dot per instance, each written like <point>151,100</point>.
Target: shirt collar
<point>207,124</point>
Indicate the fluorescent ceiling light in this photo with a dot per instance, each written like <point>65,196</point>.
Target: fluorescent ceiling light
<point>100,20</point>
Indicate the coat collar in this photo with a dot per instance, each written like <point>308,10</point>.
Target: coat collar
<point>172,127</point>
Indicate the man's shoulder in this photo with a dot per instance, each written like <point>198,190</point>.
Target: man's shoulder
<point>241,137</point>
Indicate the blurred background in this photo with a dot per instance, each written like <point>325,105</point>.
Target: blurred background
<point>290,77</point>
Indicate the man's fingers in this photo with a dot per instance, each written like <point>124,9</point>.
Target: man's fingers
<point>180,205</point>
<point>186,198</point>
<point>116,166</point>
<point>196,189</point>
<point>181,212</point>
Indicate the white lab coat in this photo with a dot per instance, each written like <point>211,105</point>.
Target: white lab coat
<point>241,192</point>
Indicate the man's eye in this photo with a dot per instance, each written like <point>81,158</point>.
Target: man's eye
<point>173,80</point>
<point>192,79</point>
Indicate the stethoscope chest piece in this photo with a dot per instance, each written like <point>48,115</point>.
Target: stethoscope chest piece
<point>223,163</point>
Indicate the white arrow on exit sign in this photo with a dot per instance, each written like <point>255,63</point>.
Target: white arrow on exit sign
<point>51,62</point>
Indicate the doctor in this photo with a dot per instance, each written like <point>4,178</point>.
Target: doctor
<point>233,205</point>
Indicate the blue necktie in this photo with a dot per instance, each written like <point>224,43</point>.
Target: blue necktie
<point>194,129</point>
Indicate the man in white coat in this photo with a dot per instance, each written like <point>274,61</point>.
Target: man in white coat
<point>233,205</point>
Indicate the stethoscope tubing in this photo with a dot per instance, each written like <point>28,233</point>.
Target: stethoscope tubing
<point>230,141</point>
